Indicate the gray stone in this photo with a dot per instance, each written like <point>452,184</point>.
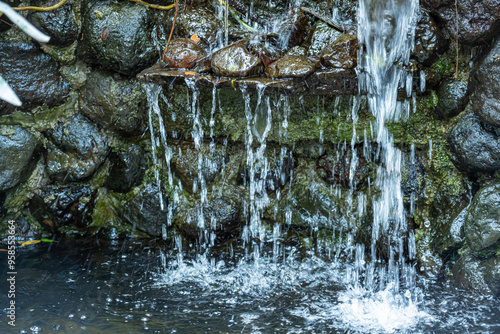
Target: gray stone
<point>468,274</point>
<point>79,136</point>
<point>478,21</point>
<point>199,21</point>
<point>114,102</point>
<point>322,36</point>
<point>117,36</point>
<point>127,169</point>
<point>482,223</point>
<point>474,146</point>
<point>429,42</point>
<point>492,274</point>
<point>236,61</point>
<point>60,24</point>
<point>452,98</point>
<point>68,167</point>
<point>291,66</point>
<point>486,81</point>
<point>17,148</point>
<point>144,211</point>
<point>32,74</point>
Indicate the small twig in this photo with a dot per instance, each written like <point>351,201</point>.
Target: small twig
<point>169,7</point>
<point>40,9</point>
<point>324,18</point>
<point>173,26</point>
<point>456,41</point>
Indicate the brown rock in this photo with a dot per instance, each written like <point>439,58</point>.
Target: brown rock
<point>235,61</point>
<point>183,53</point>
<point>342,53</point>
<point>291,66</point>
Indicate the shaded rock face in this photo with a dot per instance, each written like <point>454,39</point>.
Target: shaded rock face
<point>322,36</point>
<point>474,145</point>
<point>295,28</point>
<point>183,53</point>
<point>342,53</point>
<point>78,151</point>
<point>291,66</point>
<point>337,170</point>
<point>478,21</point>
<point>222,217</point>
<point>127,169</point>
<point>486,81</point>
<point>58,206</point>
<point>492,274</point>
<point>117,36</point>
<point>452,98</point>
<point>60,24</point>
<point>198,21</point>
<point>144,211</point>
<point>17,155</point>
<point>482,223</point>
<point>429,42</point>
<point>32,74</point>
<point>235,61</point>
<point>114,102</point>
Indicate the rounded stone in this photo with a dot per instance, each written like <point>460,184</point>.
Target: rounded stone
<point>117,36</point>
<point>235,61</point>
<point>291,66</point>
<point>17,148</point>
<point>474,145</point>
<point>342,53</point>
<point>183,53</point>
<point>486,81</point>
<point>452,98</point>
<point>482,222</point>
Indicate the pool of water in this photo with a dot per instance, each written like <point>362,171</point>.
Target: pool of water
<point>133,287</point>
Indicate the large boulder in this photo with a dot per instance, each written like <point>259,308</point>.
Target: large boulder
<point>117,36</point>
<point>114,102</point>
<point>17,148</point>
<point>60,24</point>
<point>478,21</point>
<point>486,81</point>
<point>482,223</point>
<point>32,74</point>
<point>474,145</point>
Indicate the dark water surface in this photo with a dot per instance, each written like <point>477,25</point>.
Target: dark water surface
<point>123,287</point>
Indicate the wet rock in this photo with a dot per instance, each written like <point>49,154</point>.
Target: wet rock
<point>452,98</point>
<point>144,210</point>
<point>186,164</point>
<point>58,206</point>
<point>220,216</point>
<point>80,149</point>
<point>322,36</point>
<point>342,53</point>
<point>79,136</point>
<point>198,20</point>
<point>117,36</point>
<point>68,167</point>
<point>60,24</point>
<point>32,74</point>
<point>297,51</point>
<point>482,223</point>
<point>114,102</point>
<point>492,274</point>
<point>235,61</point>
<point>429,42</point>
<point>294,28</point>
<point>17,155</point>
<point>474,145</point>
<point>338,81</point>
<point>127,169</point>
<point>468,274</point>
<point>183,53</point>
<point>291,66</point>
<point>486,81</point>
<point>337,169</point>
<point>478,21</point>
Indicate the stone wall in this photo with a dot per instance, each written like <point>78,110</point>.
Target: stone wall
<point>77,157</point>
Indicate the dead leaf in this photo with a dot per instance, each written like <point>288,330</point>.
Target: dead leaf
<point>105,33</point>
<point>190,73</point>
<point>195,38</point>
<point>30,242</point>
<point>48,222</point>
